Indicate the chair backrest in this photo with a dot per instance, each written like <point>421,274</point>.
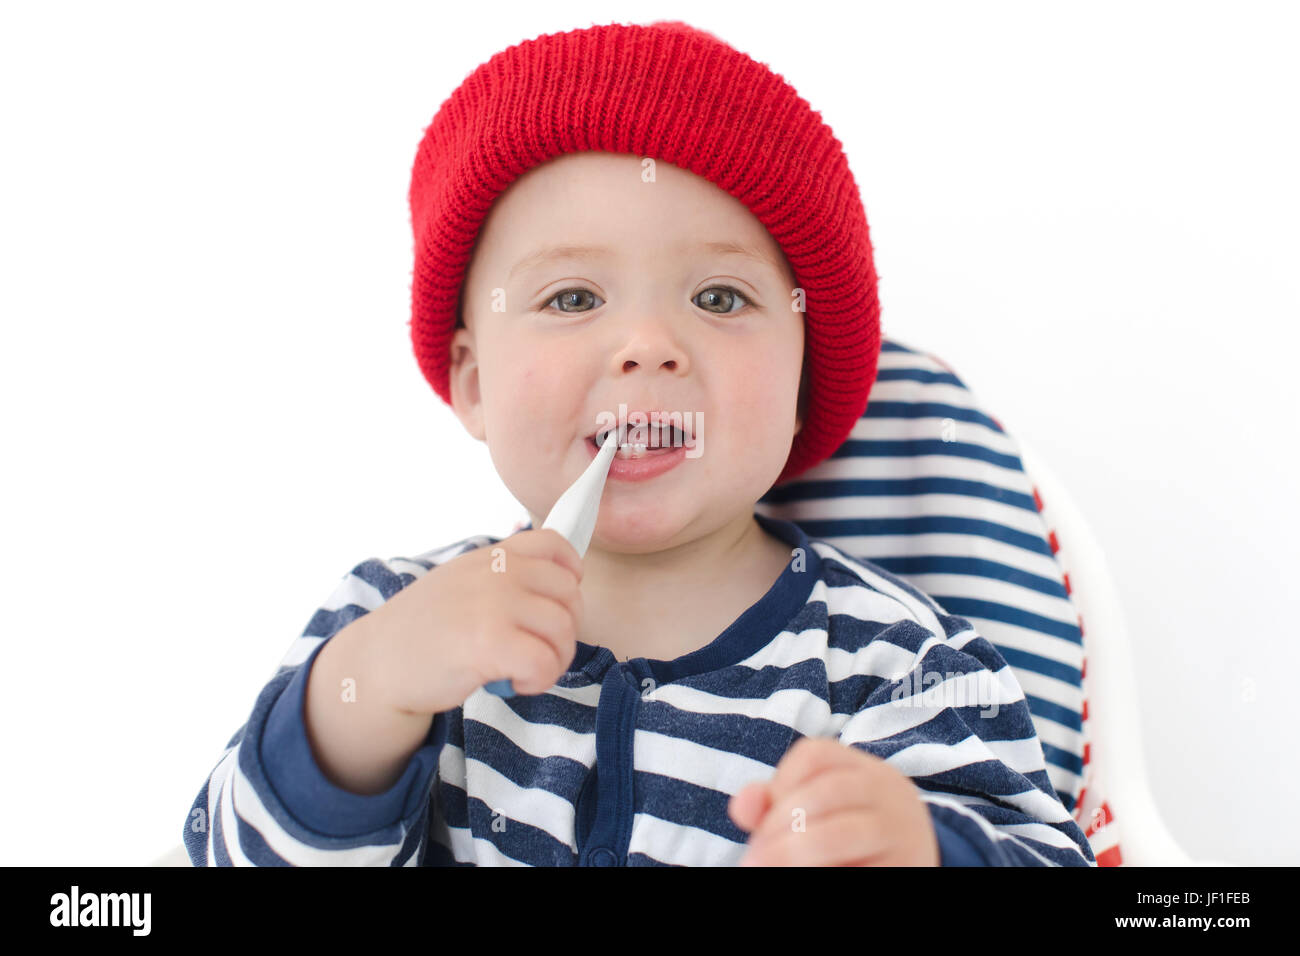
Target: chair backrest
<point>930,487</point>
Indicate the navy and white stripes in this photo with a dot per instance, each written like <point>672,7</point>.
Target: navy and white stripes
<point>634,762</point>
<point>932,488</point>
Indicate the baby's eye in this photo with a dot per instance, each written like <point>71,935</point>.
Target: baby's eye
<point>568,296</point>
<point>720,295</point>
<point>719,299</point>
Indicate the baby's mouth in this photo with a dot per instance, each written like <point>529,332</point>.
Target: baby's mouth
<point>660,441</point>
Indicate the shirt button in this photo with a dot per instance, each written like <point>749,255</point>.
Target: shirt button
<point>603,857</point>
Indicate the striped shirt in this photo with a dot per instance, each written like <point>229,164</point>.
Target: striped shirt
<point>633,763</point>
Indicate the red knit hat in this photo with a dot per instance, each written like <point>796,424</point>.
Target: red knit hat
<point>681,95</point>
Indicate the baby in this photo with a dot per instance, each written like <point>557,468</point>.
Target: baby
<point>706,686</point>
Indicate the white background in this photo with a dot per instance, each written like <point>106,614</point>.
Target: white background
<point>212,410</point>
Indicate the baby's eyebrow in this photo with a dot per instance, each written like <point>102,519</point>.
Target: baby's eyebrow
<point>721,247</point>
<point>726,247</point>
<point>558,252</point>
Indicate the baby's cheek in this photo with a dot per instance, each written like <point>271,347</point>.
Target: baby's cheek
<point>518,385</point>
<point>538,403</point>
<point>538,375</point>
<point>759,411</point>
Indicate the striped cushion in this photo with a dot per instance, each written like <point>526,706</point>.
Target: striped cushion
<point>930,487</point>
<point>1092,812</point>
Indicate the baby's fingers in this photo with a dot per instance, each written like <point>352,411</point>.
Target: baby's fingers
<point>796,812</point>
<point>849,837</point>
<point>749,805</point>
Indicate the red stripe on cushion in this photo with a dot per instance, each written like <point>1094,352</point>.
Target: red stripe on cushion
<point>1100,819</point>
<point>1111,856</point>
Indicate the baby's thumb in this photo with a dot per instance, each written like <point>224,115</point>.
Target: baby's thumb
<point>750,805</point>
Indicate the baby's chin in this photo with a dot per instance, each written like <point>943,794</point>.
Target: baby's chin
<point>626,527</point>
<point>640,527</point>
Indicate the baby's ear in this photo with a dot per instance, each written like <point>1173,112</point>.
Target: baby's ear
<point>463,383</point>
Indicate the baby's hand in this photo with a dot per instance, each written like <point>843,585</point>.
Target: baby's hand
<point>513,611</point>
<point>830,804</point>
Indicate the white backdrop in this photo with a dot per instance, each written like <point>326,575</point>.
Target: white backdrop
<point>212,410</point>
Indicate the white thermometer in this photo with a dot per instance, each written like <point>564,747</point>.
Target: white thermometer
<point>574,516</point>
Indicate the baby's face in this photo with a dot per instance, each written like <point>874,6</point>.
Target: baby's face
<point>656,318</point>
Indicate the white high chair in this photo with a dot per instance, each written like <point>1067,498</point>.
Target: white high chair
<point>1119,768</point>
<point>1114,804</point>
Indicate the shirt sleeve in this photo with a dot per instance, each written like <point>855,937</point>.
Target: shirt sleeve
<point>947,711</point>
<point>267,802</point>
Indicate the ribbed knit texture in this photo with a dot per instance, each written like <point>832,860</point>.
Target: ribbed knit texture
<point>681,95</point>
